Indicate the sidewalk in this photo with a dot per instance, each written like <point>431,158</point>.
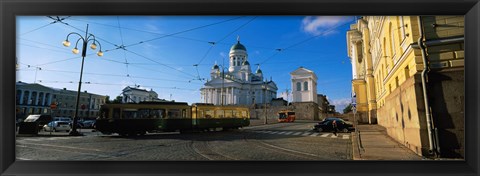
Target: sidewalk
<point>377,145</point>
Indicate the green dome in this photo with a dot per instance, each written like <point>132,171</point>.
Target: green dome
<point>215,66</point>
<point>259,71</point>
<point>238,46</point>
<point>246,63</point>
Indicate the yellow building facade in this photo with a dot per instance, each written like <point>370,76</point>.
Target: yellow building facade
<point>393,85</point>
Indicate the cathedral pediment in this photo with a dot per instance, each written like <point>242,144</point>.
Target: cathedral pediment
<point>217,81</point>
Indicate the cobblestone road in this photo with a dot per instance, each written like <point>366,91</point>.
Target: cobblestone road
<point>281,141</point>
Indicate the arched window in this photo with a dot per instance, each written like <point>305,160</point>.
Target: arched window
<point>305,85</point>
<point>299,86</point>
<point>392,40</point>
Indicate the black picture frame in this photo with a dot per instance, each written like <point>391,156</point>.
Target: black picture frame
<point>10,8</point>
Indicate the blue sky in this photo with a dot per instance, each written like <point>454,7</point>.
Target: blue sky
<point>160,51</point>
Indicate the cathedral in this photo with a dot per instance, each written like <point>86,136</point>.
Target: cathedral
<point>238,85</point>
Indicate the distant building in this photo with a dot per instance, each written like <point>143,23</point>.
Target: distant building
<point>279,102</point>
<point>136,95</point>
<point>304,94</point>
<point>323,106</point>
<point>36,99</point>
<point>238,85</point>
<point>304,85</point>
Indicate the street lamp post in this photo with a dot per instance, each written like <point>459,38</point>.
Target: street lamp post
<point>85,40</point>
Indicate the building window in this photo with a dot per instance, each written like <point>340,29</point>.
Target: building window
<point>402,28</point>
<point>397,82</point>
<point>299,86</point>
<point>25,97</point>
<point>33,100</point>
<point>305,86</point>
<point>19,94</point>
<point>392,40</point>
<point>407,72</point>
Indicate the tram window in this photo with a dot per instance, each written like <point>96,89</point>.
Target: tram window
<point>219,114</point>
<point>130,114</point>
<point>209,114</point>
<point>116,113</point>
<point>143,113</point>
<point>236,114</point>
<point>184,113</point>
<point>104,113</point>
<point>244,114</point>
<point>157,113</point>
<point>228,113</point>
<point>174,113</point>
<point>199,114</point>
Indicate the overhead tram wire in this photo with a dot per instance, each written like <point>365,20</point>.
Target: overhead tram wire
<point>213,44</point>
<point>53,22</point>
<point>161,63</point>
<point>184,31</point>
<point>112,84</point>
<point>306,40</point>
<point>187,38</point>
<point>124,52</point>
<point>114,75</point>
<point>188,30</point>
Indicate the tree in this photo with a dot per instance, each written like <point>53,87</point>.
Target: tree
<point>347,109</point>
<point>118,99</point>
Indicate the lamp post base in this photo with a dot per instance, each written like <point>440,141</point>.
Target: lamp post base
<point>75,133</point>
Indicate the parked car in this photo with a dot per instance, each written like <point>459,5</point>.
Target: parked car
<point>57,126</point>
<point>40,119</point>
<point>79,124</point>
<point>63,119</point>
<point>326,125</point>
<point>88,123</point>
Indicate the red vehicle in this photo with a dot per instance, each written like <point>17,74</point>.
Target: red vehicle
<point>286,116</point>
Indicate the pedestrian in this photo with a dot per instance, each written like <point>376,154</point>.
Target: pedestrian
<point>334,127</point>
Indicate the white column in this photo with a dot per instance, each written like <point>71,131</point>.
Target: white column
<point>29,97</point>
<point>22,93</point>
<point>354,60</point>
<point>36,99</point>
<point>43,98</point>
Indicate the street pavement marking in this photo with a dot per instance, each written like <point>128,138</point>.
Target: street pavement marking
<point>38,139</point>
<point>306,133</point>
<point>60,146</point>
<point>325,135</point>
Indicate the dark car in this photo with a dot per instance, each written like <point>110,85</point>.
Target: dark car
<point>326,125</point>
<point>40,119</point>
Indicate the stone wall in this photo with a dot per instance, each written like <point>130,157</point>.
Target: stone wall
<point>404,116</point>
<point>306,110</point>
<point>447,99</point>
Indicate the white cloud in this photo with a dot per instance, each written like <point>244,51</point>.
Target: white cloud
<point>223,54</point>
<point>322,25</point>
<point>340,104</point>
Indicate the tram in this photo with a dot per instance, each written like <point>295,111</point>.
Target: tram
<point>286,116</point>
<point>140,118</point>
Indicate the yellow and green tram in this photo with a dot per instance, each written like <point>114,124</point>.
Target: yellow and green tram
<point>134,119</point>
